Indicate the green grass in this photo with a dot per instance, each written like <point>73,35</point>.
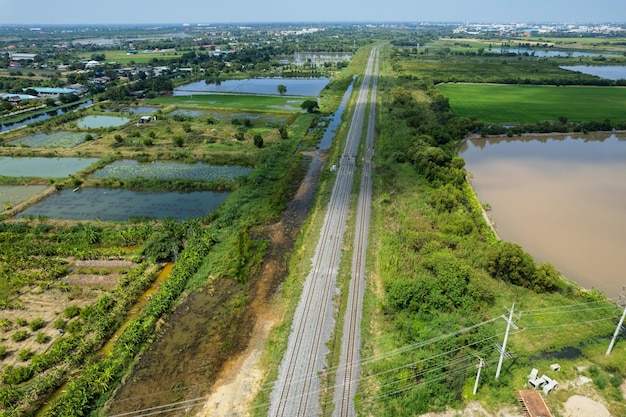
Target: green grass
<point>234,101</point>
<point>529,104</point>
<point>122,58</point>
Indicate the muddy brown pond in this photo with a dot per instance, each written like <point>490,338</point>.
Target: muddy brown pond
<point>563,198</point>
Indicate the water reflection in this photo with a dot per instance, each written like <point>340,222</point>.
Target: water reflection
<point>561,197</point>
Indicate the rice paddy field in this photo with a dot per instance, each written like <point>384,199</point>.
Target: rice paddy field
<point>529,104</point>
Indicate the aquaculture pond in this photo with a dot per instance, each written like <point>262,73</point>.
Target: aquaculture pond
<point>162,170</point>
<point>28,119</point>
<point>60,139</point>
<point>304,87</point>
<point>121,205</point>
<point>139,110</point>
<point>12,195</point>
<point>43,167</point>
<point>548,54</point>
<point>96,122</point>
<point>610,72</point>
<point>228,117</point>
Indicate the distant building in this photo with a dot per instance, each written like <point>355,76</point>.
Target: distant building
<point>52,92</point>
<point>16,56</point>
<point>92,64</point>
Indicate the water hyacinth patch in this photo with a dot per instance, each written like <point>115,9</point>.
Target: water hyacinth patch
<point>126,169</point>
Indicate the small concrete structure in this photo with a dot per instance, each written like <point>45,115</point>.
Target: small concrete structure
<point>555,367</point>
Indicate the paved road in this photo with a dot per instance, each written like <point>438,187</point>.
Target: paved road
<point>296,392</point>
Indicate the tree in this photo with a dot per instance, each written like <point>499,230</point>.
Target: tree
<point>282,89</point>
<point>282,130</point>
<point>508,262</point>
<point>310,106</point>
<point>258,141</point>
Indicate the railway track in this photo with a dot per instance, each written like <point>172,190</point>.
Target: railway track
<point>346,382</point>
<point>296,391</point>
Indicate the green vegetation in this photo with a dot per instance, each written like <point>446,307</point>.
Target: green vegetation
<point>531,104</point>
<point>442,276</point>
<point>235,102</point>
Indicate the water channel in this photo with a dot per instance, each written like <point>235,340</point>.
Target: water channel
<point>563,198</point>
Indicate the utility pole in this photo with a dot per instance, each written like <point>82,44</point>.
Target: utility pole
<point>480,366</point>
<point>622,303</point>
<point>506,336</point>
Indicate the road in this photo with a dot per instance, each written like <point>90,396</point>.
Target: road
<point>296,391</point>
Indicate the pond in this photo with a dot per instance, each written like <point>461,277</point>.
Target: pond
<point>134,110</point>
<point>610,72</point>
<point>15,194</point>
<point>96,122</point>
<point>59,139</point>
<point>43,167</point>
<point>302,87</point>
<point>563,198</point>
<point>43,116</point>
<point>547,53</point>
<point>228,117</point>
<point>125,169</point>
<point>121,205</point>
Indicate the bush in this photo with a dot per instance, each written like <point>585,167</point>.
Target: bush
<point>25,354</point>
<point>258,141</point>
<point>16,375</point>
<point>42,338</point>
<point>36,324</point>
<point>21,322</point>
<point>20,335</point>
<point>4,351</point>
<point>60,324</point>
<point>71,311</point>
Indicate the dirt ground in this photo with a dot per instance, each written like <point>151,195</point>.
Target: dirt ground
<point>48,305</point>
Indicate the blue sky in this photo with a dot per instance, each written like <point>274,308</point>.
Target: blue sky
<point>260,11</point>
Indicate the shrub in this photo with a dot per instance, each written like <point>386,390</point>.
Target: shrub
<point>258,141</point>
<point>21,322</point>
<point>36,324</point>
<point>42,338</point>
<point>25,354</point>
<point>16,375</point>
<point>60,324</point>
<point>71,311</point>
<point>20,335</point>
<point>4,351</point>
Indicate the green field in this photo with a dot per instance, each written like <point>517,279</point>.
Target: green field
<point>530,104</point>
<point>141,58</point>
<point>234,101</point>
